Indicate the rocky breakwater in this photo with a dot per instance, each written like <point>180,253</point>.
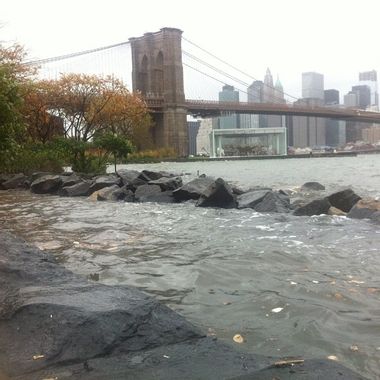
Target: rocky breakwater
<point>204,191</point>
<point>57,325</point>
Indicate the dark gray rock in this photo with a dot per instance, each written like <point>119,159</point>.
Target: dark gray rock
<point>251,198</point>
<point>192,189</point>
<point>55,324</point>
<point>14,182</point>
<point>37,175</point>
<point>149,175</point>
<point>344,200</point>
<point>147,193</point>
<point>69,180</point>
<point>217,194</point>
<point>104,181</point>
<point>273,202</point>
<point>48,184</point>
<point>114,193</point>
<point>316,186</point>
<point>316,207</point>
<point>167,183</point>
<point>131,179</point>
<point>77,190</point>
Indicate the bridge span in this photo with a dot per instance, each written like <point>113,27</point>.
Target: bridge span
<point>209,108</point>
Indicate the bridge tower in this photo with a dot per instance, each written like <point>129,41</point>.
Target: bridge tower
<point>157,72</point>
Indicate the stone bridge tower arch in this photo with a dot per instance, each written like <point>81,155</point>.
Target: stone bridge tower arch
<point>157,72</point>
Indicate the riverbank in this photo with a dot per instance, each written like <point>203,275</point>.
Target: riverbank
<point>55,324</point>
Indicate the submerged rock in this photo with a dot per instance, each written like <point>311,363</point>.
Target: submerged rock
<point>217,194</point>
<point>344,200</point>
<point>273,202</point>
<point>251,198</point>
<point>147,193</point>
<point>316,186</point>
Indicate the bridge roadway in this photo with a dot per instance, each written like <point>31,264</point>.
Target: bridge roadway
<point>209,108</point>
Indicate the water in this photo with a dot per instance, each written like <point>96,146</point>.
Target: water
<point>226,270</point>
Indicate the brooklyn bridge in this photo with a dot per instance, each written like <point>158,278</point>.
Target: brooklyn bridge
<point>154,64</point>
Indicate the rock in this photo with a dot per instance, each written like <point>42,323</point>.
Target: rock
<point>316,186</point>
<point>316,207</point>
<point>131,178</point>
<point>335,211</point>
<point>192,189</point>
<point>70,180</point>
<point>273,202</point>
<point>217,194</point>
<point>37,175</point>
<point>344,200</point>
<point>104,181</point>
<point>113,193</point>
<point>149,175</point>
<point>15,181</point>
<point>76,190</point>
<point>80,330</point>
<point>366,209</point>
<point>48,184</point>
<point>167,183</point>
<point>147,193</point>
<point>251,198</point>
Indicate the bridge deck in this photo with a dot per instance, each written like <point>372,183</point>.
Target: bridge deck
<point>209,108</point>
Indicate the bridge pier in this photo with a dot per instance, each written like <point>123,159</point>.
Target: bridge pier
<point>157,73</point>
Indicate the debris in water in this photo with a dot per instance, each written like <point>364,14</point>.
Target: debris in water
<point>166,356</point>
<point>315,282</point>
<point>354,348</point>
<point>286,363</point>
<point>277,309</point>
<point>332,357</point>
<point>226,303</point>
<point>293,283</point>
<point>355,282</point>
<point>238,338</point>
<point>36,357</point>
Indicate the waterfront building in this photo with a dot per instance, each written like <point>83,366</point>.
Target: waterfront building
<point>203,136</point>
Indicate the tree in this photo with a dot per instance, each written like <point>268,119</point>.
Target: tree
<point>118,146</point>
<point>91,105</point>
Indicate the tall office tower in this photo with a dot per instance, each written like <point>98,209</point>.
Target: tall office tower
<point>308,131</point>
<point>193,127</point>
<point>369,78</point>
<point>279,92</point>
<point>255,92</point>
<point>229,94</point>
<point>312,85</point>
<point>363,93</point>
<point>331,97</point>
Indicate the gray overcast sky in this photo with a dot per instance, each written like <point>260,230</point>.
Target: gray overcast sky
<point>335,37</point>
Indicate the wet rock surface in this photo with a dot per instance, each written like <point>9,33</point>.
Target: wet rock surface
<point>217,194</point>
<point>54,324</point>
<point>344,200</point>
<point>316,207</point>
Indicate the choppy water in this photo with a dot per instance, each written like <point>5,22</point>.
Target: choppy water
<point>226,270</point>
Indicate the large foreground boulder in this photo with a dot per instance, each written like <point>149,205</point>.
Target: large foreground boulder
<point>192,189</point>
<point>153,193</point>
<point>344,200</point>
<point>47,184</point>
<point>57,325</point>
<point>316,207</point>
<point>366,209</point>
<point>217,194</point>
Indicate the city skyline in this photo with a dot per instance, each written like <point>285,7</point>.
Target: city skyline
<point>280,36</point>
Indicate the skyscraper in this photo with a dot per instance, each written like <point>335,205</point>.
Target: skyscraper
<point>229,94</point>
<point>312,85</point>
<point>335,129</point>
<point>363,94</point>
<point>331,97</point>
<point>369,78</point>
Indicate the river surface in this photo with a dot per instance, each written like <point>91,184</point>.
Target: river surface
<point>302,286</point>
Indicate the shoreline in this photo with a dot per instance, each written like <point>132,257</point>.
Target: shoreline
<point>56,324</point>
